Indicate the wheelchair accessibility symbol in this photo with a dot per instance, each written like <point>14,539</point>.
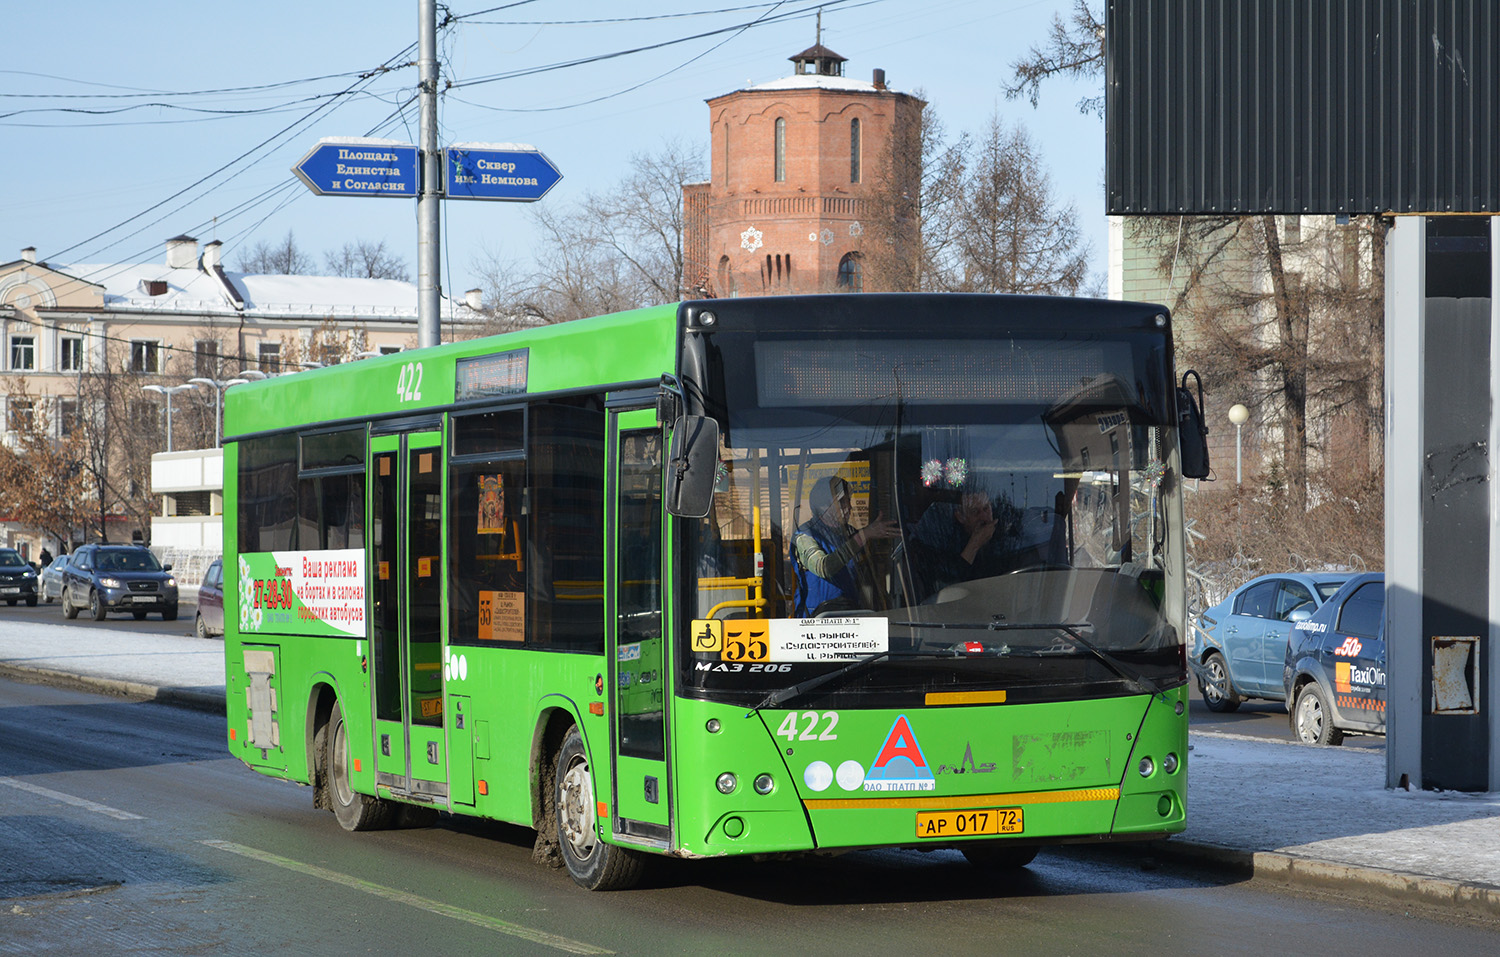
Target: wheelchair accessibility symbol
<point>708,635</point>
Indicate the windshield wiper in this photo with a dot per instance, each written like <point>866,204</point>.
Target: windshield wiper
<point>1131,677</point>
<point>785,694</point>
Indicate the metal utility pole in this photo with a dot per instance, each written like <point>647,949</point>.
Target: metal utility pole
<point>429,194</point>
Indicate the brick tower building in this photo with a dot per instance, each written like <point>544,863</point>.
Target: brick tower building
<point>801,183</point>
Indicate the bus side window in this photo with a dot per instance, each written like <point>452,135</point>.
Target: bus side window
<point>487,535</point>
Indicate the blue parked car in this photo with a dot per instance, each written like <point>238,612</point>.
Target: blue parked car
<point>1334,673</point>
<point>1242,640</point>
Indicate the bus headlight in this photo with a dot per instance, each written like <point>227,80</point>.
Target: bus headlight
<point>1147,767</point>
<point>712,726</point>
<point>727,782</point>
<point>1169,763</point>
<point>764,784</point>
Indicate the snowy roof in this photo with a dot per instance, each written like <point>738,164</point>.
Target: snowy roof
<point>816,81</point>
<point>190,289</point>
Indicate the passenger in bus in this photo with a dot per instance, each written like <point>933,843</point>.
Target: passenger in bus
<point>826,551</point>
<point>975,537</point>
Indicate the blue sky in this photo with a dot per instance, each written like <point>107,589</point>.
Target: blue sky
<point>69,177</point>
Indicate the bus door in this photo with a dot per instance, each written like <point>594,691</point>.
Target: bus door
<point>636,646</point>
<point>406,497</point>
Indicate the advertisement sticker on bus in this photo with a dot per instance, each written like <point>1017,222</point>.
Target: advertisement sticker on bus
<point>313,593</point>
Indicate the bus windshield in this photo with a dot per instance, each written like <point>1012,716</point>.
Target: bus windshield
<point>962,515</point>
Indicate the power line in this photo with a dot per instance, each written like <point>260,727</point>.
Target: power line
<point>281,84</point>
<point>631,89</point>
<point>571,23</point>
<point>788,16</point>
<point>278,134</point>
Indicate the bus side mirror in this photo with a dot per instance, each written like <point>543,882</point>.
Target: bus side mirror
<point>1192,432</point>
<point>692,463</point>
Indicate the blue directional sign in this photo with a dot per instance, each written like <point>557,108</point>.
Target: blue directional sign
<point>507,172</point>
<point>360,167</point>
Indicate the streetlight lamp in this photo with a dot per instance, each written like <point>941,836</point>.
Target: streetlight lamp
<point>253,374</point>
<point>1239,415</point>
<point>218,385</point>
<point>168,391</point>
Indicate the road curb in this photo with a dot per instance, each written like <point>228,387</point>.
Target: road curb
<point>199,699</point>
<point>1477,900</point>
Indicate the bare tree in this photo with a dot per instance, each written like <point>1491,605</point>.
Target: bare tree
<point>617,250</point>
<point>121,427</point>
<point>1074,48</point>
<point>911,232</point>
<point>1008,233</point>
<point>640,220</point>
<point>41,484</point>
<point>363,259</point>
<point>282,258</point>
<point>1290,318</point>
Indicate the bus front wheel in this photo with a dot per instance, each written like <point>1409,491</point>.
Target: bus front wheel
<point>591,862</point>
<point>354,811</point>
<point>999,856</point>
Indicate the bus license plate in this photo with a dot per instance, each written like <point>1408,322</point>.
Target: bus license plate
<point>989,820</point>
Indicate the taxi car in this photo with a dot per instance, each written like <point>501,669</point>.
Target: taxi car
<point>1334,673</point>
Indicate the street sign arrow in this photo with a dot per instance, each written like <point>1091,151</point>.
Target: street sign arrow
<point>508,172</point>
<point>350,166</point>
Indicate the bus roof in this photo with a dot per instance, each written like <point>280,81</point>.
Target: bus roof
<point>625,347</point>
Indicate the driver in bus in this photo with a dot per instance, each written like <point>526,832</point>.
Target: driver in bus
<point>826,550</point>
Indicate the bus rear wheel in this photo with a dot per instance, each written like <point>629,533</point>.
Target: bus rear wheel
<point>354,811</point>
<point>592,863</point>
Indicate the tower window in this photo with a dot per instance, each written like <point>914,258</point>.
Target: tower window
<point>851,278</point>
<point>726,154</point>
<point>781,149</point>
<point>854,146</point>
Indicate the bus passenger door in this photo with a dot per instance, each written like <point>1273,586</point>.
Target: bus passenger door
<point>406,495</point>
<point>636,650</point>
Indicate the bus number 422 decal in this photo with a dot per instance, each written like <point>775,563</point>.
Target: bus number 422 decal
<point>829,719</point>
<point>409,383</point>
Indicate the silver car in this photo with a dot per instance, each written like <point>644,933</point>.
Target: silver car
<point>52,578</point>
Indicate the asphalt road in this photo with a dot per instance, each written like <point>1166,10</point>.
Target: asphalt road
<point>123,828</point>
<point>1263,719</point>
<point>118,621</point>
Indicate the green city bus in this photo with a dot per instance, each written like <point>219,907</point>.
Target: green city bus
<point>565,578</point>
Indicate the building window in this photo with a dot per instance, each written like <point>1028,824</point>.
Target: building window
<point>269,357</point>
<point>145,415</point>
<point>206,358</point>
<point>330,352</point>
<point>726,154</point>
<point>22,353</point>
<point>145,355</point>
<point>67,416</point>
<point>780,149</point>
<point>851,278</point>
<point>854,146</point>
<point>20,415</point>
<point>70,354</point>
